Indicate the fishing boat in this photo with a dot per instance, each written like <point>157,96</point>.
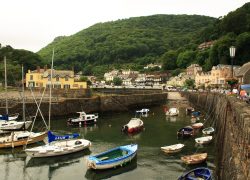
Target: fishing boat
<point>172,112</point>
<point>143,112</point>
<point>57,145</point>
<point>173,148</point>
<point>185,132</point>
<point>208,131</point>
<point>195,158</point>
<point>197,125</point>
<point>133,126</point>
<point>204,140</point>
<point>83,119</point>
<point>113,158</point>
<point>197,173</point>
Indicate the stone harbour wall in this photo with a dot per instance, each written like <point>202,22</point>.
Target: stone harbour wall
<point>69,106</point>
<point>231,119</point>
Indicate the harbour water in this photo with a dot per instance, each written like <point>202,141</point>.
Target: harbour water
<point>150,162</point>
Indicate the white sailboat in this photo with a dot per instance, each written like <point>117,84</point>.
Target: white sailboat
<point>7,122</point>
<point>58,145</point>
<point>23,137</point>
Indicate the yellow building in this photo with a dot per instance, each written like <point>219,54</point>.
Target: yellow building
<point>62,79</point>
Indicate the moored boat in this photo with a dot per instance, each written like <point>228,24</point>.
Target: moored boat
<point>189,110</point>
<point>195,158</point>
<point>173,148</point>
<point>172,112</point>
<point>143,112</point>
<point>204,140</point>
<point>185,132</point>
<point>197,173</point>
<point>83,119</point>
<point>59,145</point>
<point>113,158</point>
<point>208,131</point>
<point>197,125</point>
<point>134,125</point>
<point>196,113</point>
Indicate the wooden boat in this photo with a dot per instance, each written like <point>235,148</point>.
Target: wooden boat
<point>208,131</point>
<point>197,125</point>
<point>20,138</point>
<point>197,173</point>
<point>172,112</point>
<point>83,119</point>
<point>195,158</point>
<point>58,148</point>
<point>173,148</point>
<point>204,140</point>
<point>185,132</point>
<point>134,125</point>
<point>113,158</point>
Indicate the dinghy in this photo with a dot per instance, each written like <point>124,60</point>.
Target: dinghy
<point>113,158</point>
<point>197,125</point>
<point>173,148</point>
<point>134,125</point>
<point>208,131</point>
<point>204,140</point>
<point>195,158</point>
<point>172,112</point>
<point>197,173</point>
<point>185,132</point>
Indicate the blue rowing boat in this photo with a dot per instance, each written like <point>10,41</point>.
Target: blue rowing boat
<point>118,156</point>
<point>198,173</point>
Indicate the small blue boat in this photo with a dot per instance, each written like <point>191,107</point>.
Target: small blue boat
<point>113,158</point>
<point>196,114</point>
<point>185,132</point>
<point>198,173</point>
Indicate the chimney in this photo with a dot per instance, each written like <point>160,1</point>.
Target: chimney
<point>38,69</point>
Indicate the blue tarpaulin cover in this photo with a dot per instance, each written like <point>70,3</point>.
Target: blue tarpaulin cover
<point>245,86</point>
<point>4,117</point>
<point>52,137</point>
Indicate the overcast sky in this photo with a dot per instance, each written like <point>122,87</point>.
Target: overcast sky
<point>32,24</point>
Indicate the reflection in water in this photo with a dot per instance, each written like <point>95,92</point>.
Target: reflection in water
<point>104,174</point>
<point>171,118</point>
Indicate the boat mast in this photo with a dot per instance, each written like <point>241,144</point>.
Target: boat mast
<point>5,82</point>
<point>50,87</point>
<point>23,97</point>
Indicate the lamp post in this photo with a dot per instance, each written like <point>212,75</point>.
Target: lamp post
<point>232,50</point>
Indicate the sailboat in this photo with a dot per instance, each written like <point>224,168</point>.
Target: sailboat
<point>58,145</point>
<point>7,122</point>
<point>21,137</point>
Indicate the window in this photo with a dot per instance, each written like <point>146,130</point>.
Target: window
<point>31,77</point>
<point>66,78</point>
<point>57,78</point>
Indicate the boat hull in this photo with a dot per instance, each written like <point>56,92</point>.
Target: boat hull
<point>81,123</point>
<point>112,165</point>
<point>51,153</point>
<point>23,141</point>
<point>194,159</point>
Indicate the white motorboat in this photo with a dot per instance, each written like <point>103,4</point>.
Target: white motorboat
<point>204,140</point>
<point>57,148</point>
<point>10,117</point>
<point>172,112</point>
<point>83,119</point>
<point>133,126</point>
<point>208,131</point>
<point>143,112</point>
<point>173,148</point>
<point>13,125</point>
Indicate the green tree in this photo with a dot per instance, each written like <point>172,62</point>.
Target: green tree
<point>169,60</point>
<point>185,58</point>
<point>117,81</point>
<point>189,83</point>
